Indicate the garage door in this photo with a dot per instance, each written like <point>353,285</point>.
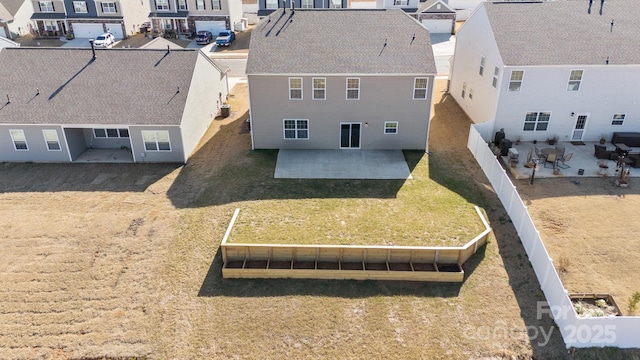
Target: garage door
<point>116,30</point>
<point>214,26</point>
<point>438,26</point>
<point>87,30</point>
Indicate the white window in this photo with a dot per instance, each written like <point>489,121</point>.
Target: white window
<point>46,6</point>
<point>618,119</point>
<point>319,88</point>
<point>295,88</point>
<point>481,66</point>
<point>19,140</point>
<point>200,4</point>
<point>215,4</point>
<point>574,80</point>
<point>470,94</point>
<point>420,88</point>
<point>109,7</point>
<point>496,73</point>
<point>111,133</point>
<point>390,127</point>
<point>272,4</point>
<point>50,25</point>
<point>51,138</point>
<point>80,7</point>
<point>182,5</point>
<point>536,121</point>
<point>166,24</point>
<point>353,89</point>
<point>307,4</point>
<point>162,4</point>
<point>336,4</point>
<point>296,129</point>
<point>156,140</point>
<point>464,89</point>
<point>515,82</point>
<point>401,2</point>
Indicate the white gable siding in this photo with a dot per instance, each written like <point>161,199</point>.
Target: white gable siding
<point>135,13</point>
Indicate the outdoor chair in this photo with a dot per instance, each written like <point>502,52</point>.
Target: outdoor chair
<point>551,158</point>
<point>560,148</point>
<point>563,160</point>
<point>539,154</point>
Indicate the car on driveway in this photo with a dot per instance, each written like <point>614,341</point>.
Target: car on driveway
<point>204,37</point>
<point>104,40</point>
<point>225,38</point>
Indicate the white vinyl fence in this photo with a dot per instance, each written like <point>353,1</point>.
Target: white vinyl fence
<point>619,331</point>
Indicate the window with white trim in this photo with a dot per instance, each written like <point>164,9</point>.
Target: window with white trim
<point>162,4</point>
<point>353,88</point>
<point>470,94</point>
<point>50,25</point>
<point>167,24</point>
<point>481,71</point>
<point>182,5</point>
<point>618,119</point>
<point>80,7</point>
<point>307,4</point>
<point>515,81</point>
<point>109,7</point>
<point>319,88</point>
<point>336,4</point>
<point>296,129</point>
<point>199,4</point>
<point>111,133</point>
<point>19,140</point>
<point>295,88</point>
<point>496,73</point>
<point>51,138</point>
<point>420,88</point>
<point>46,6</point>
<point>574,80</point>
<point>464,89</point>
<point>401,2</point>
<point>536,121</point>
<point>271,4</point>
<point>156,140</point>
<point>390,127</point>
<point>215,5</point>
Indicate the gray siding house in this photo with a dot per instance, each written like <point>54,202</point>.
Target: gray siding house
<point>146,105</point>
<point>340,79</point>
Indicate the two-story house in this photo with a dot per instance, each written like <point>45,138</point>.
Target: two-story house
<point>186,17</point>
<point>436,15</point>
<point>266,7</point>
<point>340,79</point>
<point>14,18</point>
<point>89,18</point>
<point>558,68</point>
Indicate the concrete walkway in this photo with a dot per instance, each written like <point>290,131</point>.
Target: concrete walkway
<point>342,164</point>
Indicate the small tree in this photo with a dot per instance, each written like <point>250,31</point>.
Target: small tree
<point>633,302</point>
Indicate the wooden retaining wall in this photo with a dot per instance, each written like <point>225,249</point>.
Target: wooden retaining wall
<point>416,263</point>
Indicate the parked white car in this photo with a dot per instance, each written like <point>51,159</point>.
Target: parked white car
<point>104,40</point>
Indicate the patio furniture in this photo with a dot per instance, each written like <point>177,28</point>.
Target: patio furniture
<point>551,158</point>
<point>560,148</point>
<point>634,161</point>
<point>631,139</point>
<point>601,152</point>
<point>563,160</point>
<point>622,149</point>
<point>539,154</point>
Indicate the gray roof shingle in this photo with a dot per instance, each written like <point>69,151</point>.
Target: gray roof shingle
<point>340,41</point>
<point>122,86</point>
<point>562,32</point>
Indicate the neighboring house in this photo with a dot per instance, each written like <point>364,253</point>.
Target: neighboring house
<point>14,18</point>
<point>435,15</point>
<point>4,42</point>
<point>464,8</point>
<point>520,67</point>
<point>186,17</point>
<point>89,18</point>
<point>161,44</point>
<point>155,103</point>
<point>340,79</point>
<point>266,7</point>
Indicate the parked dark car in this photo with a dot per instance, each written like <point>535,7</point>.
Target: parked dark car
<point>204,37</point>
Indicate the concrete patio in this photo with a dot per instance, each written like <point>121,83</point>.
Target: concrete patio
<point>583,158</point>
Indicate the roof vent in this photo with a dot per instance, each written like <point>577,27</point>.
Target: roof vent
<point>611,25</point>
<point>93,49</point>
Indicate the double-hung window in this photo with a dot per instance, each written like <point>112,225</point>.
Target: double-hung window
<point>496,73</point>
<point>353,89</point>
<point>618,119</point>
<point>46,6</point>
<point>536,121</point>
<point>307,4</point>
<point>390,127</point>
<point>109,7</point>
<point>481,71</point>
<point>420,88</point>
<point>19,140</point>
<point>574,80</point>
<point>470,94</point>
<point>162,4</point>
<point>295,88</point>
<point>50,25</point>
<point>319,88</point>
<point>296,129</point>
<point>335,4</point>
<point>271,4</point>
<point>182,5</point>
<point>80,7</point>
<point>401,2</point>
<point>215,5</point>
<point>515,82</point>
<point>156,140</point>
<point>464,89</point>
<point>199,4</point>
<point>51,138</point>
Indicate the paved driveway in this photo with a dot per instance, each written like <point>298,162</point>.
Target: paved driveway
<point>210,48</point>
<point>443,46</point>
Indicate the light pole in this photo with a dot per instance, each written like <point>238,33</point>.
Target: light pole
<point>535,166</point>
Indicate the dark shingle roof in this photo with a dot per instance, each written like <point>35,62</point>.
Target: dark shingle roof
<point>340,41</point>
<point>122,86</point>
<point>562,32</point>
